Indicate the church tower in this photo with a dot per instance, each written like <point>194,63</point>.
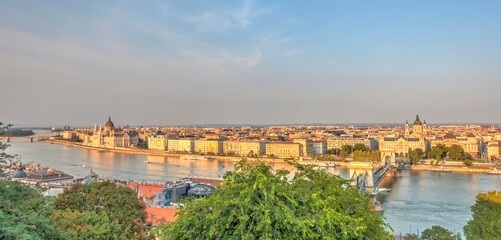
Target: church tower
<point>406,128</point>
<point>417,127</point>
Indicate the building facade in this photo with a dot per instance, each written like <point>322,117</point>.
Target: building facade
<point>494,150</point>
<point>319,148</point>
<point>334,143</point>
<point>109,137</point>
<point>307,145</point>
<point>470,143</point>
<point>401,145</point>
<point>284,149</point>
<point>245,148</point>
<point>159,142</point>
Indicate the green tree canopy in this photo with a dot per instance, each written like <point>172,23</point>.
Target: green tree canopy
<point>439,233</point>
<point>24,213</point>
<point>347,148</point>
<point>85,225</point>
<point>118,203</point>
<point>255,202</point>
<point>415,155</point>
<point>360,147</point>
<point>456,152</point>
<point>486,222</point>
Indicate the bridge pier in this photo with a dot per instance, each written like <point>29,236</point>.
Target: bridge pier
<point>7,139</point>
<point>30,139</point>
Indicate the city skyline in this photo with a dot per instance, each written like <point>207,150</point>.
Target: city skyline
<point>249,62</point>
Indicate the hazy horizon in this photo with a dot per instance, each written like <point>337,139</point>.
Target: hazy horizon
<point>249,62</point>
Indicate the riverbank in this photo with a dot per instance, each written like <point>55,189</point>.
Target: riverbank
<point>352,165</point>
<point>157,152</point>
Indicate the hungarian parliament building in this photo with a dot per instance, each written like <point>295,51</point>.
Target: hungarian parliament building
<point>110,137</point>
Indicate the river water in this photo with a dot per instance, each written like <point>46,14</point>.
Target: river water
<point>418,200</point>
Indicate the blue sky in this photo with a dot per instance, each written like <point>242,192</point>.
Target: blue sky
<point>259,62</point>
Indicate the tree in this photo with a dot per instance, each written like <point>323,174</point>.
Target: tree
<point>419,152</point>
<point>456,152</point>
<point>256,202</point>
<point>439,233</point>
<point>85,225</point>
<point>411,236</point>
<point>414,156</point>
<point>438,152</point>
<point>4,157</point>
<point>347,148</point>
<point>333,151</point>
<point>486,222</point>
<point>119,204</point>
<point>343,155</point>
<point>360,147</point>
<point>467,162</point>
<point>24,213</point>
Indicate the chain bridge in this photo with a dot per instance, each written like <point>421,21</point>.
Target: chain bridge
<point>367,176</point>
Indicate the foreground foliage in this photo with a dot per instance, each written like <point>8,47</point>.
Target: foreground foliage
<point>24,213</point>
<point>85,225</point>
<point>435,233</point>
<point>118,204</point>
<point>486,222</point>
<point>4,157</point>
<point>254,202</point>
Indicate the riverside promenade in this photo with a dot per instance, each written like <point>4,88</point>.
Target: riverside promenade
<point>450,166</point>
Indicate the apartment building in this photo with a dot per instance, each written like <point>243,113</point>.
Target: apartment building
<point>284,149</point>
<point>244,148</point>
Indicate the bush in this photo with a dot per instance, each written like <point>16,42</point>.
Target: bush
<point>467,162</point>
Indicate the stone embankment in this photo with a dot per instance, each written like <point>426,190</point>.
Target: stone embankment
<point>450,166</point>
<point>155,152</point>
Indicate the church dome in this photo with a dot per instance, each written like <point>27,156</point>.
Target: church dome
<point>109,124</point>
<point>418,122</point>
<point>19,174</point>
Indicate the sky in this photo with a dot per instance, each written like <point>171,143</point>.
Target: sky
<point>249,62</point>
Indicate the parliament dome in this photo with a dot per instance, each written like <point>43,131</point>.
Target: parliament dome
<point>109,124</point>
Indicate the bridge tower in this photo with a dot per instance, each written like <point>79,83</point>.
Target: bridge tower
<point>388,157</point>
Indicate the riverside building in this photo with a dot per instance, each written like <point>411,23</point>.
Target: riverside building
<point>110,137</point>
<point>284,149</point>
<point>413,138</point>
<point>245,148</point>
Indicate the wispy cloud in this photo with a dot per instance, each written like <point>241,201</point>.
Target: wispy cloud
<point>217,21</point>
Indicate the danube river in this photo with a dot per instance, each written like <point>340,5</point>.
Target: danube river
<point>418,200</point>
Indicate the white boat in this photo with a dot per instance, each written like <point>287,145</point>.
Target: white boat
<point>494,171</point>
<point>83,165</point>
<point>385,189</point>
<point>146,161</point>
<point>193,157</point>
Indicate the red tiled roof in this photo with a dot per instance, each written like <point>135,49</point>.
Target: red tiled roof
<point>133,185</point>
<point>149,190</point>
<point>161,215</point>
